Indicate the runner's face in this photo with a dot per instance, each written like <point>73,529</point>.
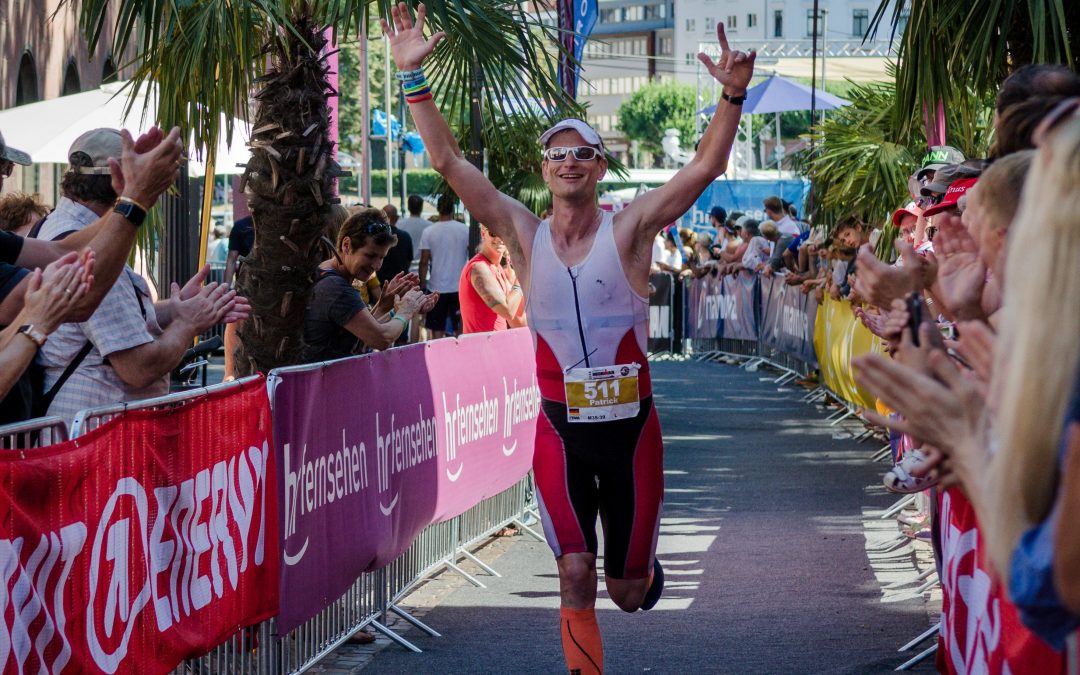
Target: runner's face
<point>572,178</point>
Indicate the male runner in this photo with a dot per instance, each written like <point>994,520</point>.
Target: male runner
<point>598,443</point>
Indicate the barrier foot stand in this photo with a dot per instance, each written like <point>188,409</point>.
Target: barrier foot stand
<point>930,632</point>
<point>850,413</point>
<point>525,528</point>
<point>890,546</point>
<point>414,621</point>
<point>479,563</point>
<point>785,378</point>
<point>468,577</point>
<point>882,454</point>
<point>915,659</point>
<point>836,413</point>
<point>926,574</point>
<point>753,363</point>
<point>928,585</point>
<point>898,507</point>
<point>395,637</point>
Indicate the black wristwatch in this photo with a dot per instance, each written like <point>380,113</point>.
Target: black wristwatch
<point>733,100</point>
<point>129,209</point>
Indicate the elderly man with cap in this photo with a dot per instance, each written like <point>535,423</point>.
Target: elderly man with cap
<point>141,170</point>
<point>585,271</point>
<point>128,346</point>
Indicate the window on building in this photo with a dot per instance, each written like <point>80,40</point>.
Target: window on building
<point>665,47</point>
<point>751,20</point>
<point>610,15</point>
<point>691,25</point>
<point>778,23</point>
<point>810,23</point>
<point>860,22</point>
<point>71,79</point>
<point>690,59</point>
<point>26,85</point>
<point>634,13</point>
<point>902,24</point>
<point>710,25</point>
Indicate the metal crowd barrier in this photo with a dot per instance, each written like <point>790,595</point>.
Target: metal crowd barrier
<point>33,433</point>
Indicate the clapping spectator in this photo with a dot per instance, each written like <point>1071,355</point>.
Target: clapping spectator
<point>338,322</point>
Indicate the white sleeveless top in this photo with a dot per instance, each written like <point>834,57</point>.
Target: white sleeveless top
<point>586,315</point>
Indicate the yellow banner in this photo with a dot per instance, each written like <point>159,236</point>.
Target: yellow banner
<point>838,338</point>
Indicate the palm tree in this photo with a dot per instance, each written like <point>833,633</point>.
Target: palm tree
<point>210,57</point>
<point>863,155</point>
<point>975,43</point>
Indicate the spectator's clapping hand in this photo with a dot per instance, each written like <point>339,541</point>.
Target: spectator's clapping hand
<point>976,344</point>
<point>917,357</point>
<point>53,294</point>
<point>209,307</point>
<point>147,166</point>
<point>411,303</point>
<point>429,302</point>
<point>874,320</point>
<point>943,409</point>
<point>961,273</point>
<point>879,283</point>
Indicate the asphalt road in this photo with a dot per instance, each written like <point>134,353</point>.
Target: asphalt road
<point>762,540</point>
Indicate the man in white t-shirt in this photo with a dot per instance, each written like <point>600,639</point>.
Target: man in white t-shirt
<point>414,225</point>
<point>666,256</point>
<point>444,251</point>
<point>785,224</point>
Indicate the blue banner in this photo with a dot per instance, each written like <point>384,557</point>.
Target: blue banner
<point>743,195</point>
<point>577,18</point>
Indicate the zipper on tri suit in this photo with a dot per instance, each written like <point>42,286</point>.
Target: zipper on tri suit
<point>580,325</point>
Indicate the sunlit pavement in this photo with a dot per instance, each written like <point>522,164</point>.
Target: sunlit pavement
<point>763,543</point>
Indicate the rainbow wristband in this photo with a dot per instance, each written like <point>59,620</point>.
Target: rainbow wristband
<point>417,90</point>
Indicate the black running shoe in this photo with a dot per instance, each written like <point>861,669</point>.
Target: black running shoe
<point>656,589</point>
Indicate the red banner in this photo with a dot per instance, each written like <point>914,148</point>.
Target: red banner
<point>980,629</point>
<point>141,543</point>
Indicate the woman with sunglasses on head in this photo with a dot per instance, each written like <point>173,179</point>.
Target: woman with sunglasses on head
<point>338,322</point>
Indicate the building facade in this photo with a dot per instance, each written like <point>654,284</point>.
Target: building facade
<point>45,56</point>
<point>640,41</point>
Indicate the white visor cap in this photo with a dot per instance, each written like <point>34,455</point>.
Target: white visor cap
<point>587,132</point>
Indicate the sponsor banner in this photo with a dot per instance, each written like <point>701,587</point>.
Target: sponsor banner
<point>703,298</point>
<point>143,542</point>
<point>737,315</point>
<point>375,448</point>
<point>838,338</point>
<point>742,195</point>
<point>981,630</point>
<point>787,319</point>
<point>660,312</point>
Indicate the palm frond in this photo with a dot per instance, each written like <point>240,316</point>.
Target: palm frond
<point>976,44</point>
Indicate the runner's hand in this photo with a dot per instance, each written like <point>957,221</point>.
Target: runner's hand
<point>407,41</point>
<point>734,70</point>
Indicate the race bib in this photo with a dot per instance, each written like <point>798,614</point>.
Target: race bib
<point>602,394</point>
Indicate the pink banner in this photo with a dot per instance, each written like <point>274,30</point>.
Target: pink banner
<point>373,449</point>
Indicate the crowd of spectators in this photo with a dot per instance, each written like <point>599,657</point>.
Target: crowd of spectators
<point>979,313</point>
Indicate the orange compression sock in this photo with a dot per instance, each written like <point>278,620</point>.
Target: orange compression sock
<point>582,646</point>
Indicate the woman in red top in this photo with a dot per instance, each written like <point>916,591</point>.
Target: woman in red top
<point>491,298</point>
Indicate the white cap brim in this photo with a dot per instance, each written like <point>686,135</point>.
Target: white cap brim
<point>588,133</point>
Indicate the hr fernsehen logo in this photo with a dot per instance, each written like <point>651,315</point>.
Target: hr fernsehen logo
<point>312,483</point>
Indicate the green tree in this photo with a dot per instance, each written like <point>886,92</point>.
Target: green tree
<point>976,43</point>
<point>211,59</point>
<point>656,107</point>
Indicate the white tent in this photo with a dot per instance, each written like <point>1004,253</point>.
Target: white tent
<point>46,129</point>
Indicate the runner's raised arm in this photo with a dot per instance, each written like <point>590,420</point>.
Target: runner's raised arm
<point>658,208</point>
<point>505,216</point>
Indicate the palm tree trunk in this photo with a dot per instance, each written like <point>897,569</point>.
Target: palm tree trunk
<point>289,185</point>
